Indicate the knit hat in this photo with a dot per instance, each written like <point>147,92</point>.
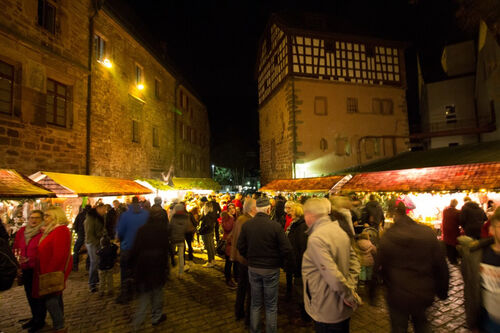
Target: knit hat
<point>263,202</point>
<point>204,199</point>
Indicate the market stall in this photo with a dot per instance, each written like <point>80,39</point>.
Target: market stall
<point>18,196</point>
<point>72,189</point>
<point>180,188</point>
<point>303,185</point>
<point>430,189</point>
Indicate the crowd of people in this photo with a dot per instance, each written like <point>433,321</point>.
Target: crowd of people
<point>329,248</point>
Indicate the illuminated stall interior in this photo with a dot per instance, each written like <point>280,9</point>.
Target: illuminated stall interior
<point>430,189</point>
<point>303,185</point>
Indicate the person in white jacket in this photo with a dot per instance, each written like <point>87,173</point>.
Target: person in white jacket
<point>330,269</point>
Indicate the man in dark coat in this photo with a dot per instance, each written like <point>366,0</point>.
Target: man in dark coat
<point>451,230</point>
<point>472,218</point>
<point>263,243</point>
<point>372,213</point>
<point>79,229</point>
<point>413,266</point>
<point>149,262</point>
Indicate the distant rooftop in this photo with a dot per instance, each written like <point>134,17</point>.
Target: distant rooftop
<point>465,154</point>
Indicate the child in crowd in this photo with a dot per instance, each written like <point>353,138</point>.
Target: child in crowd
<point>366,251</point>
<point>107,258</point>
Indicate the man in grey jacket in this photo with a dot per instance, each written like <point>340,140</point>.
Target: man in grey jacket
<point>330,269</point>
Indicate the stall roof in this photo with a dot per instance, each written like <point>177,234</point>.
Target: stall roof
<point>72,185</point>
<point>445,178</point>
<point>13,185</point>
<point>316,184</point>
<point>180,184</point>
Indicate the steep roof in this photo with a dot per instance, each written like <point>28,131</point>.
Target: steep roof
<point>13,185</point>
<point>479,176</point>
<point>316,184</point>
<point>73,185</point>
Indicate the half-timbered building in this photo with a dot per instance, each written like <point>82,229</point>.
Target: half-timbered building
<point>327,101</point>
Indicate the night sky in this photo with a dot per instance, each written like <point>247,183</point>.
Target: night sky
<point>214,46</point>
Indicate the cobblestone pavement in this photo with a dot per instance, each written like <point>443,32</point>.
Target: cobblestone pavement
<point>202,302</point>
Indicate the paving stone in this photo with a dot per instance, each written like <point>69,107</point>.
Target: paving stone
<point>202,302</point>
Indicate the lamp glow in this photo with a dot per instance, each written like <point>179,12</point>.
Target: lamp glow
<point>140,86</point>
<point>107,63</point>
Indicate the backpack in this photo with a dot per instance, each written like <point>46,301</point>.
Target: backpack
<point>8,266</point>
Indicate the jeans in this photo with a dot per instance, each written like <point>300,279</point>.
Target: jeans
<point>37,305</point>
<point>106,278</point>
<point>342,327</point>
<point>76,251</point>
<point>180,253</point>
<point>243,291</point>
<point>208,240</point>
<point>153,297</point>
<point>264,291</point>
<point>125,276</point>
<point>93,275</point>
<point>55,306</point>
<point>399,320</point>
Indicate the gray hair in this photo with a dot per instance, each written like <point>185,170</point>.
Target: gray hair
<point>317,206</point>
<point>248,205</point>
<point>158,201</point>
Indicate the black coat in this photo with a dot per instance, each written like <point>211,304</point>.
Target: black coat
<point>413,266</point>
<point>149,256</point>
<point>263,243</point>
<point>298,240</point>
<point>208,223</point>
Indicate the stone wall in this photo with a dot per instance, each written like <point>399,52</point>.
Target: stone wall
<point>27,143</point>
<point>276,137</point>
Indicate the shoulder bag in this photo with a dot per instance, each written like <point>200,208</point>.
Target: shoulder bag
<point>52,282</point>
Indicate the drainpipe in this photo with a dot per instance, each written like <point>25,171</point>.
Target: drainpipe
<point>294,133</point>
<point>176,89</point>
<point>97,5</point>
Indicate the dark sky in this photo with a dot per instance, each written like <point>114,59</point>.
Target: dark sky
<point>214,45</point>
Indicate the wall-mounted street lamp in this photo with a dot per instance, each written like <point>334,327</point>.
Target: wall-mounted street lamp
<point>140,86</point>
<point>107,63</point>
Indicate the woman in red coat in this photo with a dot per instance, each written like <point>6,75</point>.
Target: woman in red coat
<point>54,254</point>
<point>26,248</point>
<point>227,226</point>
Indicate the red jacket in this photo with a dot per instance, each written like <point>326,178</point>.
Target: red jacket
<point>53,253</point>
<point>28,251</point>
<point>288,221</point>
<point>227,225</point>
<point>450,225</point>
<point>237,203</point>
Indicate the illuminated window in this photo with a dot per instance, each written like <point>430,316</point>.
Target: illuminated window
<point>139,79</point>
<point>47,15</point>
<point>156,137</point>
<point>135,131</point>
<point>320,106</point>
<point>57,100</point>
<point>352,105</point>
<point>451,116</point>
<point>99,48</point>
<point>6,88</point>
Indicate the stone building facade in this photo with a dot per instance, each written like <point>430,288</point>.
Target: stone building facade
<point>327,101</point>
<point>131,127</point>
